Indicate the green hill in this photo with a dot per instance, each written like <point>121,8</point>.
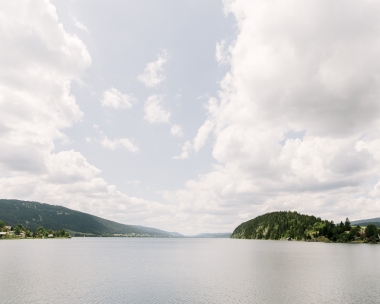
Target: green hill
<point>34,214</point>
<point>276,225</point>
<point>287,224</point>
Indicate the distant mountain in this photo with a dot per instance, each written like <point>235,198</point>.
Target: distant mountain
<point>375,221</point>
<point>34,214</point>
<point>365,224</point>
<point>213,235</point>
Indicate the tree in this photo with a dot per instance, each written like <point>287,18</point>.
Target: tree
<point>28,232</point>
<point>2,224</point>
<point>17,230</point>
<point>371,231</point>
<point>340,227</point>
<point>354,232</point>
<point>347,225</point>
<point>40,230</point>
<point>62,232</point>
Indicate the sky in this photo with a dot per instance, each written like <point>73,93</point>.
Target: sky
<point>192,116</point>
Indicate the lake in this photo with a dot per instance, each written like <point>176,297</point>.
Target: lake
<point>159,270</point>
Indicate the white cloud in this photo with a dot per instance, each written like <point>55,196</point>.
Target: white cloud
<point>80,25</point>
<point>202,135</point>
<point>222,55</point>
<point>112,144</point>
<point>35,74</point>
<point>186,148</point>
<point>69,167</point>
<point>176,130</point>
<point>153,74</point>
<point>114,99</point>
<point>37,64</point>
<point>294,67</point>
<point>118,142</point>
<point>154,111</point>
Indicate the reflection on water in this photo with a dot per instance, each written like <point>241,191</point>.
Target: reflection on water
<point>146,270</point>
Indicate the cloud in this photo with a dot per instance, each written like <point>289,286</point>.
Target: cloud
<point>176,130</point>
<point>35,100</point>
<point>186,148</point>
<point>118,142</point>
<point>202,135</point>
<point>153,73</point>
<point>112,144</point>
<point>295,68</point>
<point>38,62</point>
<point>80,25</point>
<point>154,111</point>
<point>198,142</point>
<point>69,167</point>
<point>114,99</point>
<point>222,55</point>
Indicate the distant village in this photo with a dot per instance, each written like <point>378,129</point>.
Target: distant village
<point>20,232</point>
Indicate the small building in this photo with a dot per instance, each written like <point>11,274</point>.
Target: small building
<point>50,236</point>
<point>3,234</point>
<point>8,227</point>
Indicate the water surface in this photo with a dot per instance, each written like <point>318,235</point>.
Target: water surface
<point>153,270</point>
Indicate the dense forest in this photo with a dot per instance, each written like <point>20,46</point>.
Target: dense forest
<point>34,214</point>
<point>293,225</point>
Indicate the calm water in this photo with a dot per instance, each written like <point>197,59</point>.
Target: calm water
<point>138,270</point>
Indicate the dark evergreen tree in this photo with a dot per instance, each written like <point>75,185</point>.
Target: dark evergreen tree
<point>347,225</point>
<point>371,231</point>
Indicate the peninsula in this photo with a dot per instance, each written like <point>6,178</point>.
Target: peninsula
<point>288,225</point>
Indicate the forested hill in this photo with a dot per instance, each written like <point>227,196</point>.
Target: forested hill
<point>34,214</point>
<point>275,226</point>
<point>287,224</point>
